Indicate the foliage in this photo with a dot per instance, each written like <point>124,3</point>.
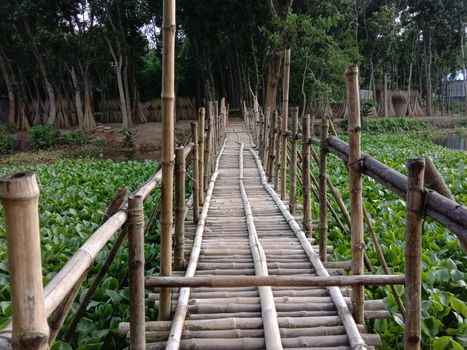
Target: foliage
<point>43,136</point>
<point>128,136</point>
<point>76,137</point>
<point>391,125</point>
<point>7,141</point>
<point>444,263</point>
<point>74,196</point>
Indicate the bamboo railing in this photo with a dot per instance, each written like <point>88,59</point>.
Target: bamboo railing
<point>29,328</point>
<point>438,202</point>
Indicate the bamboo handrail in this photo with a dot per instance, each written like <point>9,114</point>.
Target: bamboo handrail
<point>182,306</point>
<point>274,281</point>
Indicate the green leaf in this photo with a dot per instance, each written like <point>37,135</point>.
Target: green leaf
<point>458,306</point>
<point>441,343</point>
<point>456,345</point>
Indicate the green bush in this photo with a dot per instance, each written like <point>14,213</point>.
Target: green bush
<point>43,136</point>
<point>7,128</point>
<point>391,125</point>
<point>77,138</point>
<point>7,143</point>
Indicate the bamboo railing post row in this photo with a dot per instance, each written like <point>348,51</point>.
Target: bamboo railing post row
<point>285,122</point>
<point>323,204</point>
<point>306,171</point>
<point>168,128</point>
<point>19,195</point>
<point>201,135</point>
<point>272,141</point>
<point>355,177</point>
<point>195,181</point>
<point>293,161</point>
<point>136,272</point>
<point>179,244</point>
<point>413,253</point>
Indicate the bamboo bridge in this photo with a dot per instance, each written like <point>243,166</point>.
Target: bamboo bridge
<point>244,271</point>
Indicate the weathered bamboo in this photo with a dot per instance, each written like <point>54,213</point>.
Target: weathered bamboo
<point>413,253</point>
<point>450,214</point>
<point>216,127</point>
<point>278,155</point>
<point>355,178</point>
<point>173,341</point>
<point>434,180</point>
<point>272,336</point>
<point>293,161</point>
<point>306,173</point>
<point>355,339</point>
<point>272,141</point>
<point>19,195</point>
<point>285,122</point>
<point>258,136</point>
<point>201,137</point>
<point>168,128</point>
<point>179,244</point>
<point>136,272</point>
<point>323,204</point>
<point>195,181</point>
<point>266,119</point>
<point>274,281</point>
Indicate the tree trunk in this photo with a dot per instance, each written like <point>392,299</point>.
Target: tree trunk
<point>273,77</point>
<point>78,102</point>
<point>88,118</point>
<point>127,92</point>
<point>464,71</point>
<point>429,92</point>
<point>10,89</point>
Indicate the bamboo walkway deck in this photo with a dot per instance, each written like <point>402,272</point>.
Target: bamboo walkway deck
<point>233,318</point>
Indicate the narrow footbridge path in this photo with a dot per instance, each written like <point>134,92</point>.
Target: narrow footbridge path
<point>249,232</point>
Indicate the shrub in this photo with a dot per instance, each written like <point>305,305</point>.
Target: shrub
<point>77,138</point>
<point>7,143</point>
<point>128,136</point>
<point>43,136</point>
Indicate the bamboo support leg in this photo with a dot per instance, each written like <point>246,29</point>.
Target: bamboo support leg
<point>413,253</point>
<point>19,194</point>
<point>195,172</point>
<point>136,272</point>
<point>201,134</point>
<point>323,205</point>
<point>355,176</point>
<point>179,249</point>
<point>293,162</point>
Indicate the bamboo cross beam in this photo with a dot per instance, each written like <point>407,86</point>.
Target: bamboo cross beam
<point>273,281</point>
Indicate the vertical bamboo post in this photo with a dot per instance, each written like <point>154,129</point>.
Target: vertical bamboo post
<point>212,134</point>
<point>19,194</point>
<point>285,122</point>
<point>195,169</point>
<point>179,208</point>
<point>136,272</point>
<point>306,173</point>
<point>258,137</point>
<point>386,102</point>
<point>168,127</point>
<point>278,155</point>
<point>413,253</point>
<point>323,203</point>
<point>293,162</point>
<point>216,127</point>
<point>355,177</point>
<point>272,153</point>
<point>207,152</point>
<point>201,132</point>
<point>266,137</point>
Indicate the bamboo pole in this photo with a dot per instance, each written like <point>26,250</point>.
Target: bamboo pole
<point>355,177</point>
<point>216,127</point>
<point>176,329</point>
<point>195,181</point>
<point>413,253</point>
<point>274,281</point>
<point>272,141</point>
<point>266,120</point>
<point>306,173</point>
<point>201,138</point>
<point>19,195</point>
<point>272,336</point>
<point>278,155</point>
<point>285,122</point>
<point>136,272</point>
<point>293,161</point>
<point>434,180</point>
<point>168,127</point>
<point>323,204</point>
<point>179,244</point>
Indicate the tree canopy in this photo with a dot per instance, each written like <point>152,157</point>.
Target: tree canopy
<point>61,59</point>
